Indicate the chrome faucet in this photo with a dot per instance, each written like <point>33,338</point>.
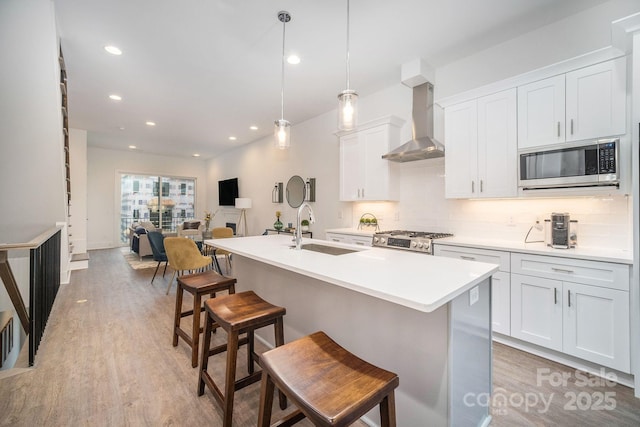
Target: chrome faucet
<point>312,219</point>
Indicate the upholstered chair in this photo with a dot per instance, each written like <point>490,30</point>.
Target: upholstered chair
<point>184,256</point>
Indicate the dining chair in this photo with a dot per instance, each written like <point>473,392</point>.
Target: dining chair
<point>184,255</point>
<point>223,233</point>
<point>156,241</point>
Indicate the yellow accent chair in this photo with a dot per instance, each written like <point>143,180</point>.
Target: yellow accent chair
<point>184,255</point>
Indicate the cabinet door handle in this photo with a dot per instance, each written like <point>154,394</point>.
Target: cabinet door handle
<point>468,258</point>
<point>555,295</point>
<point>360,243</point>
<point>473,187</point>
<point>561,270</point>
<point>358,193</point>
<point>363,193</point>
<point>569,297</point>
<point>336,240</point>
<point>571,126</point>
<point>558,129</point>
<point>481,190</point>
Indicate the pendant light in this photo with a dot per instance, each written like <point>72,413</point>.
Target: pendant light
<point>282,132</point>
<point>347,99</point>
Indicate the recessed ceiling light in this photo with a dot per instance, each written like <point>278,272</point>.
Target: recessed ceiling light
<point>150,123</point>
<point>115,97</point>
<point>133,147</point>
<point>293,59</point>
<point>196,155</point>
<point>113,50</point>
<point>232,138</point>
<point>121,128</point>
<point>253,127</point>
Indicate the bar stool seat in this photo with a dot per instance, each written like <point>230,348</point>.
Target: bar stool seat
<point>328,384</point>
<point>237,314</point>
<point>206,283</point>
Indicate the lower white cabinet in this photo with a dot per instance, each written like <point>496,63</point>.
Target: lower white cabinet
<point>500,281</point>
<point>354,239</point>
<point>580,319</point>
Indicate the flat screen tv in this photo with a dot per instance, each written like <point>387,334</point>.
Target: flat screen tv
<point>227,192</point>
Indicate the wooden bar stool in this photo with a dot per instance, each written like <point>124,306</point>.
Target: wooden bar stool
<point>237,314</point>
<point>329,385</point>
<point>198,284</point>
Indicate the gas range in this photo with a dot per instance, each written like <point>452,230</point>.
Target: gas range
<point>417,241</point>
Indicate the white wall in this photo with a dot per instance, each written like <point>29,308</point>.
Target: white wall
<point>78,208</point>
<point>31,152</point>
<point>568,38</point>
<point>258,166</point>
<point>103,184</point>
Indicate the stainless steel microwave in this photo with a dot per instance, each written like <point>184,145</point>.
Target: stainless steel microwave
<point>587,164</point>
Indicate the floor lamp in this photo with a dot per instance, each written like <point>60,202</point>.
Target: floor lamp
<point>243,204</point>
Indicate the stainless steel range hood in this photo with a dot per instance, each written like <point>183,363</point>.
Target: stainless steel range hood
<point>423,145</point>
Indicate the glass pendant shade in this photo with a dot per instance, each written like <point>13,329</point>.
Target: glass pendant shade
<point>282,134</point>
<point>347,110</point>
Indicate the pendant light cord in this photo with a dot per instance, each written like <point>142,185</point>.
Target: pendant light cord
<point>348,44</point>
<point>282,84</point>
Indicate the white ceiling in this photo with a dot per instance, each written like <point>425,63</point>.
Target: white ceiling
<point>204,70</point>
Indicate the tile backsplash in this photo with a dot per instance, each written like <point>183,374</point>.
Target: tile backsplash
<point>602,221</point>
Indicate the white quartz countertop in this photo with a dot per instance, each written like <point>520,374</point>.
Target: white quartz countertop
<point>619,256</point>
<point>418,281</point>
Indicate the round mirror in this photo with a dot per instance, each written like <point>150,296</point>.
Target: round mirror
<point>295,191</point>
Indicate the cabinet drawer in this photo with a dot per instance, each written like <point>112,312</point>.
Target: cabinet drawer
<point>604,274</point>
<point>474,254</point>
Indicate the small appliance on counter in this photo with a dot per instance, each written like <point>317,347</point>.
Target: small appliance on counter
<point>561,232</point>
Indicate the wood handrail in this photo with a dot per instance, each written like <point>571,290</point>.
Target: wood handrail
<point>33,243</point>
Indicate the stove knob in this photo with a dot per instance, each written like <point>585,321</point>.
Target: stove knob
<point>375,240</point>
<point>420,245</point>
<point>382,240</point>
<point>413,244</point>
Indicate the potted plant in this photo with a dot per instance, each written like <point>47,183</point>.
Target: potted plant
<point>304,225</point>
<point>278,224</point>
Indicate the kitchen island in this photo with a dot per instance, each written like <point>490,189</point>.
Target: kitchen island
<point>425,318</point>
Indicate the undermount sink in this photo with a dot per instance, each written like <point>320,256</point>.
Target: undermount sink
<point>330,250</point>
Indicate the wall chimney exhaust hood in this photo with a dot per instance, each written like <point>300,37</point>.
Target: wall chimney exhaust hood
<point>423,145</point>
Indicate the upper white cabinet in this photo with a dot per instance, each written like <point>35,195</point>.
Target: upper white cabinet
<point>586,103</point>
<point>541,112</point>
<point>481,147</point>
<point>364,175</point>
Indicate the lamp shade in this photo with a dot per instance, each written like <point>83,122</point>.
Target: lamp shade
<point>243,203</point>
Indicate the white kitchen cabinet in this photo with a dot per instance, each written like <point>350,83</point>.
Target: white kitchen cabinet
<point>596,325</point>
<point>354,239</point>
<point>364,175</point>
<point>578,307</point>
<point>586,103</point>
<point>500,281</point>
<point>596,101</point>
<point>536,310</point>
<point>541,112</point>
<point>481,144</point>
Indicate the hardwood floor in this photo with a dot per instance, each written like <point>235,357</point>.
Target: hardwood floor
<point>106,359</point>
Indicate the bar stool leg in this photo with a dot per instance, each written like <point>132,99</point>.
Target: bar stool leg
<point>250,351</point>
<point>279,338</point>
<point>204,362</point>
<point>178,314</point>
<point>230,377</point>
<point>195,334</point>
<point>266,400</point>
<point>388,411</point>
